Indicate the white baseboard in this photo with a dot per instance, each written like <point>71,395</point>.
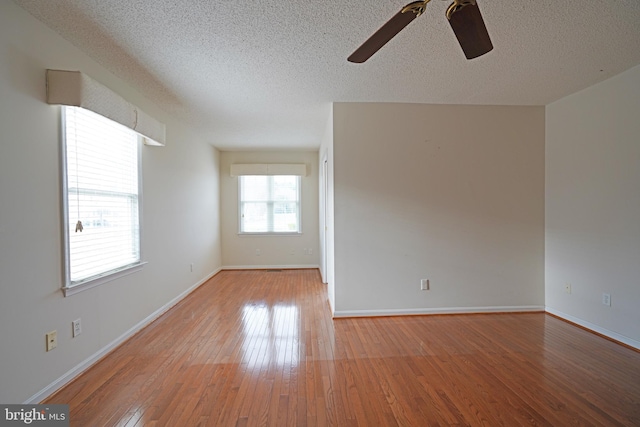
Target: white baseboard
<point>595,328</point>
<point>444,310</point>
<point>271,267</point>
<point>91,360</point>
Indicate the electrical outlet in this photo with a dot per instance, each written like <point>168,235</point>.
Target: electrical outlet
<point>567,288</point>
<point>424,284</point>
<point>310,251</point>
<point>52,340</point>
<point>77,328</point>
<point>191,267</point>
<point>606,299</point>
<point>257,252</point>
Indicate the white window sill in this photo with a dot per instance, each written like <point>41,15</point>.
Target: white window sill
<point>270,234</point>
<point>100,280</point>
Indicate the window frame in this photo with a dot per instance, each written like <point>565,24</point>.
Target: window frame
<point>270,233</point>
<point>71,288</point>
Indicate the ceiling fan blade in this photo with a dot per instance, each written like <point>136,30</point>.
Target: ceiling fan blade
<point>468,26</point>
<point>387,31</point>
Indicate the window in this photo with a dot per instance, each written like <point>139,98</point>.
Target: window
<point>101,198</point>
<point>269,204</point>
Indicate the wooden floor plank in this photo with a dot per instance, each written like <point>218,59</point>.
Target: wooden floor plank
<point>254,348</point>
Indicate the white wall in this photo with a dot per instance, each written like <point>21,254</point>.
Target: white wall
<point>593,206</point>
<point>450,193</point>
<point>180,220</point>
<point>239,251</point>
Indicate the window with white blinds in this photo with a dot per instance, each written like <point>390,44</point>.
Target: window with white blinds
<point>101,196</point>
<point>269,204</point>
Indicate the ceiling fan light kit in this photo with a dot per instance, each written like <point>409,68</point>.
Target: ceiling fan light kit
<point>463,16</point>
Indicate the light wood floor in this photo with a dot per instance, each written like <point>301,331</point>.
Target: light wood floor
<point>260,348</point>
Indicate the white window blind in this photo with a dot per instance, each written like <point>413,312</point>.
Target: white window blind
<point>269,204</point>
<point>102,209</point>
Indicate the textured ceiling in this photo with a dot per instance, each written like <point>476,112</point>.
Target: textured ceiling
<point>262,74</point>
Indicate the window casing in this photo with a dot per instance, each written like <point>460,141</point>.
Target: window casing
<point>101,199</point>
<point>269,204</point>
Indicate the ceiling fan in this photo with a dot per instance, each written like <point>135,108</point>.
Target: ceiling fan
<point>463,15</point>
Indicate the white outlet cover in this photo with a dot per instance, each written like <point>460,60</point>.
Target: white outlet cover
<point>52,340</point>
<point>76,327</point>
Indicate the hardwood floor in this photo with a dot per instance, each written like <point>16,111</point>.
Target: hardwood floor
<point>253,348</point>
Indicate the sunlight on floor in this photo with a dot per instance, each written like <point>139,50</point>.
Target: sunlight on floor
<point>271,335</point>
